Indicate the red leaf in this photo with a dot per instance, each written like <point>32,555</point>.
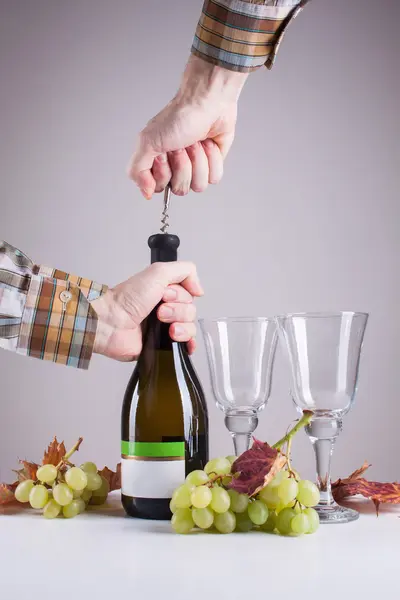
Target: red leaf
<point>7,493</point>
<point>113,478</point>
<point>28,470</point>
<point>54,453</point>
<point>256,468</point>
<point>376,491</point>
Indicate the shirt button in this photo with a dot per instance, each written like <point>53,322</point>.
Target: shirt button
<point>65,296</point>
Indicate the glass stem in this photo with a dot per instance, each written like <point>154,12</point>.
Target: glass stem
<point>241,425</point>
<point>241,442</point>
<point>323,433</point>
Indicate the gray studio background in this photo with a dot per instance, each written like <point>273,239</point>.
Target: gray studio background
<point>306,218</point>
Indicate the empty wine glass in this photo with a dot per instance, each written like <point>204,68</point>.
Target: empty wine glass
<point>324,354</point>
<point>240,354</point>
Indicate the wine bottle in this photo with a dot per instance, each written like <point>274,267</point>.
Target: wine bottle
<point>164,414</point>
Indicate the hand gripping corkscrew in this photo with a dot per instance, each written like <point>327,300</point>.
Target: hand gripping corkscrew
<point>165,215</point>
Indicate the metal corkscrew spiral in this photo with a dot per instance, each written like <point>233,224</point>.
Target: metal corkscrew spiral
<point>165,215</point>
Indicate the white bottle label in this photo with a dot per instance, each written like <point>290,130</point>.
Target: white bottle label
<point>151,478</point>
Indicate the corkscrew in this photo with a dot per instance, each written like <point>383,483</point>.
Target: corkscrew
<point>164,246</point>
<point>165,215</point>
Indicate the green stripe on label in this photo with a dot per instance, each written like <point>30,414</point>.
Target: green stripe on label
<point>153,449</point>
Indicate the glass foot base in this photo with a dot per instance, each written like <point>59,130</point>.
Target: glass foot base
<point>334,513</point>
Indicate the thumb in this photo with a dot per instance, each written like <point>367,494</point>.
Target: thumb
<point>139,169</point>
<point>224,142</point>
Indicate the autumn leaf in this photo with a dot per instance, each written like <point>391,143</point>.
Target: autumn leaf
<point>7,493</point>
<point>113,478</point>
<point>374,490</point>
<point>54,453</point>
<point>256,468</point>
<point>28,470</point>
<point>358,472</point>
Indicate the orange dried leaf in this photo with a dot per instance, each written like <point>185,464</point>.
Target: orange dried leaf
<point>7,493</point>
<point>54,453</point>
<point>28,470</point>
<point>374,490</point>
<point>256,468</point>
<point>358,472</point>
<point>113,478</point>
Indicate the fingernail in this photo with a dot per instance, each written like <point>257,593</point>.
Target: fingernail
<point>162,158</point>
<point>170,295</point>
<point>166,312</point>
<point>146,192</point>
<point>179,331</point>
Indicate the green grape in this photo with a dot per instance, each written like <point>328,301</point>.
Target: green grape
<point>308,493</point>
<point>77,493</point>
<point>243,522</point>
<point>269,495</point>
<point>280,477</point>
<point>62,494</point>
<point>239,502</point>
<point>300,524</point>
<point>172,506</point>
<point>181,497</point>
<point>296,507</point>
<point>287,490</point>
<point>93,481</point>
<point>72,509</point>
<point>226,480</point>
<point>225,522</point>
<point>197,478</point>
<point>218,466</point>
<point>86,495</point>
<point>201,497</point>
<point>313,519</point>
<point>51,510</point>
<point>258,512</point>
<point>89,467</point>
<point>220,501</point>
<point>182,520</point>
<point>47,473</point>
<point>81,504</point>
<point>284,520</point>
<point>281,506</point>
<point>270,523</point>
<point>38,496</point>
<point>99,496</point>
<point>203,517</point>
<point>231,458</point>
<point>23,490</point>
<point>76,478</point>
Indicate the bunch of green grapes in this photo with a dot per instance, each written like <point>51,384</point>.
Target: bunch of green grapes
<point>290,503</point>
<point>64,493</point>
<point>205,501</point>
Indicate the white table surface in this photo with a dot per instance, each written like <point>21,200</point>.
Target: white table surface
<point>104,554</point>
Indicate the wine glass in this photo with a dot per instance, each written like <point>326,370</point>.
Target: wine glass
<point>240,352</point>
<point>324,354</point>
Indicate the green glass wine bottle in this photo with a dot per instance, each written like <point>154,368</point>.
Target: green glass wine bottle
<point>164,414</point>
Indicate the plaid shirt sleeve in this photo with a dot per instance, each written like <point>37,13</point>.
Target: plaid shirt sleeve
<point>44,312</point>
<point>243,35</point>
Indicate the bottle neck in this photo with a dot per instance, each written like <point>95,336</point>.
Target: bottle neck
<point>164,248</point>
<point>157,333</point>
